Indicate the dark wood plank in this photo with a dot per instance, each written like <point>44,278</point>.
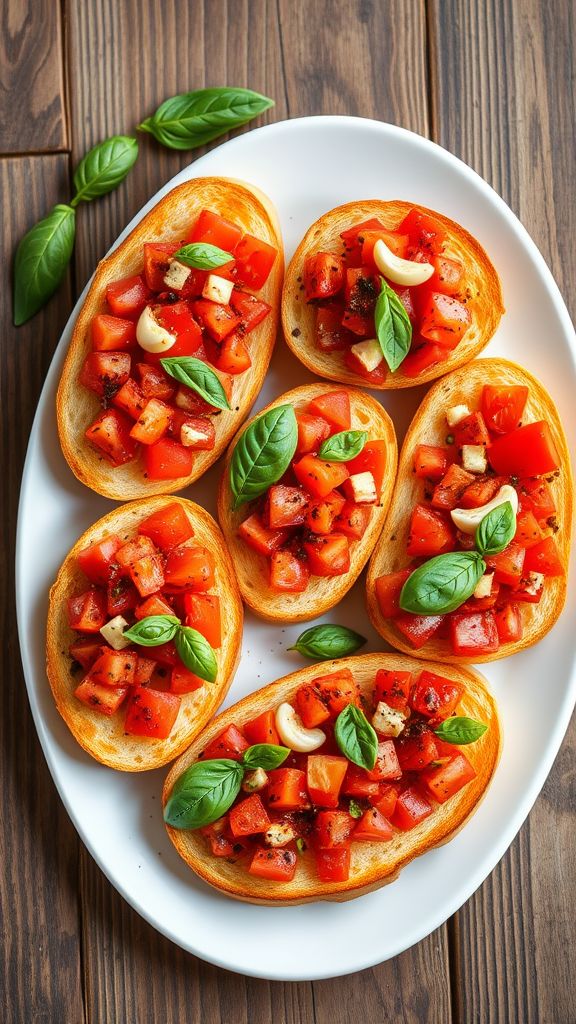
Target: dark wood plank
<point>502,100</point>
<point>40,965</point>
<point>32,100</point>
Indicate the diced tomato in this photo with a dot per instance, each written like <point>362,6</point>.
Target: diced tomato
<point>195,432</point>
<point>387,765</point>
<point>425,231</point>
<point>353,520</point>
<point>127,297</point>
<point>286,506</point>
<point>133,550</point>
<point>254,261</point>
<point>312,431</point>
<point>393,687</point>
<point>448,779</point>
<point>396,242</point>
<point>374,377</point>
<point>104,699</point>
<point>152,423</point>
<point>448,275</point>
<point>324,777</point>
<point>333,406</point>
<point>331,336</point>
<point>178,320</point>
<point>311,707</point>
<point>287,790</point>
<point>114,668</point>
<point>502,407</point>
<point>336,690</point>
<point>155,382</point>
<point>471,430</point>
<point>431,461</point>
<point>262,729</point>
<point>167,655</point>
<point>535,496</point>
<point>151,713</point>
<point>273,865</point>
<point>528,591</point>
<point>526,451</point>
<point>360,294</point>
<point>544,557</point>
<point>167,528</point>
<point>154,605</point>
<point>430,533</point>
<point>221,845</point>
<point>418,629</point>
<point>191,567</point>
<point>333,828</point>
<point>111,334</point>
<point>333,865</point>
<point>359,784</point>
<point>319,477</point>
<point>474,633</point>
<point>85,650</point>
<point>508,621</point>
<point>508,565</point>
<point>372,459</point>
<point>121,596</point>
<point>373,828</point>
<point>147,575</point>
<point>216,230</point>
<point>234,356</point>
<point>528,532</point>
<point>105,372</point>
<point>145,668</point>
<point>230,743</point>
<point>421,357</point>
<point>354,236</point>
<point>412,807</point>
<point>323,275</point>
<point>480,492</point>
<point>416,752</point>
<point>479,604</point>
<point>448,492</point>
<point>203,615</point>
<point>251,310</point>
<point>87,611</point>
<point>157,262</point>
<point>96,559</point>
<point>288,573</point>
<point>167,460</point>
<point>130,399</point>
<point>328,556</point>
<point>388,590</point>
<point>385,800</point>
<point>218,320</point>
<point>249,817</point>
<point>434,696</point>
<point>322,513</point>
<point>444,320</point>
<point>260,537</point>
<point>110,433</point>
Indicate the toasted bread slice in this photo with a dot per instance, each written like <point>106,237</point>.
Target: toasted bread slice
<point>104,737</point>
<point>252,568</point>
<point>168,221</point>
<point>464,386</point>
<point>298,316</point>
<point>373,864</point>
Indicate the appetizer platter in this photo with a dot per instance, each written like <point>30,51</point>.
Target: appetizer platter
<point>118,813</point>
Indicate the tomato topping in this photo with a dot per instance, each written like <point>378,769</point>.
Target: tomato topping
<point>508,565</point>
<point>151,713</point>
<point>425,232</point>
<point>156,263</point>
<point>374,377</point>
<point>322,513</point>
<point>528,532</point>
<point>312,431</point>
<point>234,356</point>
<point>121,596</point>
<point>333,407</point>
<point>273,865</point>
<point>328,556</point>
<point>87,611</point>
<point>111,333</point>
<point>319,477</point>
<point>544,557</point>
<point>393,687</point>
<point>167,460</point>
<point>311,707</point>
<point>167,528</point>
<point>323,275</point>
<point>249,817</point>
<point>127,297</point>
<point>104,699</point>
<point>502,407</point>
<point>535,496</point>
<point>96,559</point>
<point>421,357</point>
<point>254,261</point>
<point>418,629</point>
<point>396,242</point>
<point>216,230</point>
<point>444,320</point>
<point>262,729</point>
<point>251,310</point>
<point>448,779</point>
<point>448,492</point>
<point>85,650</point>
<point>434,696</point>
<point>417,751</point>
<point>105,372</point>
<point>388,590</point>
<point>287,790</point>
<point>155,382</point>
<point>430,533</point>
<point>260,537</point>
<point>191,567</point>
<point>332,828</point>
<point>526,451</point>
<point>218,320</point>
<point>324,777</point>
<point>358,784</point>
<point>288,572</point>
<point>372,459</point>
<point>203,614</point>
<point>336,690</point>
<point>114,668</point>
<point>110,433</point>
<point>473,633</point>
<point>228,744</point>
<point>508,621</point>
<point>471,430</point>
<point>412,807</point>
<point>448,275</point>
<point>331,336</point>
<point>353,520</point>
<point>152,423</point>
<point>431,462</point>
<point>286,506</point>
<point>130,398</point>
<point>387,765</point>
<point>373,828</point>
<point>333,865</point>
<point>480,492</point>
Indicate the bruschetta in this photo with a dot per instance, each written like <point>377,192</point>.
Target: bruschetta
<point>325,784</point>
<point>303,497</point>
<point>472,562</point>
<point>389,295</point>
<point>144,632</point>
<point>173,341</point>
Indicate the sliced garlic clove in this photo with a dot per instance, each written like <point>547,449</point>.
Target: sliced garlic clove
<point>294,733</point>
<point>150,335</point>
<point>468,519</point>
<point>400,271</point>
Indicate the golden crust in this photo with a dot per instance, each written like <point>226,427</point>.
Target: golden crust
<point>429,427</point>
<point>104,737</point>
<point>373,864</point>
<point>485,303</point>
<point>168,221</point>
<point>251,568</point>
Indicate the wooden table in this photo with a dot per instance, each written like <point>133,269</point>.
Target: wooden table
<point>491,81</point>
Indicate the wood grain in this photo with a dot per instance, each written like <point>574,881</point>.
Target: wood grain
<point>40,965</point>
<point>502,100</point>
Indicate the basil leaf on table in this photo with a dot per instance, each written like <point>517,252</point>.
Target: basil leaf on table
<point>496,530</point>
<point>343,446</point>
<point>393,327</point>
<point>460,730</point>
<point>104,167</point>
<point>203,793</point>
<point>442,583</point>
<point>263,453</point>
<point>192,119</point>
<point>153,630</point>
<point>196,653</point>
<point>202,256</point>
<point>356,737</point>
<point>199,377</point>
<point>41,260</point>
<point>328,641</point>
<point>264,755</point>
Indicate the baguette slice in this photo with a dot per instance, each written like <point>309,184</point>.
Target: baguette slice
<point>168,221</point>
<point>429,427</point>
<point>252,568</point>
<point>373,864</point>
<point>298,316</point>
<point>104,737</point>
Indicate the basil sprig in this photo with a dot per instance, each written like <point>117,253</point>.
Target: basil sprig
<point>202,256</point>
<point>193,649</point>
<point>460,730</point>
<point>343,446</point>
<point>207,789</point>
<point>192,119</point>
<point>356,737</point>
<point>328,641</point>
<point>198,376</point>
<point>263,453</point>
<point>393,327</point>
<point>41,260</point>
<point>104,167</point>
<point>153,630</point>
<point>496,530</point>
<point>442,583</point>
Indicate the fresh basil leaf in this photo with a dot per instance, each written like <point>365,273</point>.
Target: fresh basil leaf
<point>263,453</point>
<point>153,630</point>
<point>393,327</point>
<point>343,446</point>
<point>104,167</point>
<point>192,119</point>
<point>203,793</point>
<point>328,641</point>
<point>197,375</point>
<point>202,256</point>
<point>264,755</point>
<point>442,584</point>
<point>354,809</point>
<point>356,737</point>
<point>41,260</point>
<point>460,730</point>
<point>196,653</point>
<point>496,530</point>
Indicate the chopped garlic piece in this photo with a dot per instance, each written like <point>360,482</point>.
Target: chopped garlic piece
<point>113,633</point>
<point>387,721</point>
<point>456,414</point>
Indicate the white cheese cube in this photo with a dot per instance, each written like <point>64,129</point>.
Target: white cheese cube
<point>113,633</point>
<point>457,413</point>
<point>217,289</point>
<point>387,721</point>
<point>362,488</point>
<point>474,458</point>
<point>279,834</point>
<point>189,436</point>
<point>176,276</point>
<point>484,585</point>
<point>255,781</point>
<point>368,353</point>
<point>533,582</point>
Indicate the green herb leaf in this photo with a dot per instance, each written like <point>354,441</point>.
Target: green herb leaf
<point>393,327</point>
<point>104,167</point>
<point>356,737</point>
<point>202,256</point>
<point>442,583</point>
<point>263,453</point>
<point>343,446</point>
<point>264,755</point>
<point>41,260</point>
<point>354,809</point>
<point>194,118</point>
<point>153,630</point>
<point>328,641</point>
<point>301,845</point>
<point>196,653</point>
<point>197,375</point>
<point>496,530</point>
<point>203,793</point>
<point>460,730</point>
